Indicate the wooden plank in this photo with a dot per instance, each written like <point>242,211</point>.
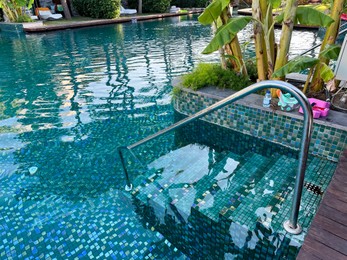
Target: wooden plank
<point>335,185</point>
<point>309,254</point>
<point>332,214</point>
<point>340,195</point>
<point>335,203</point>
<point>320,250</point>
<point>330,240</point>
<point>331,226</point>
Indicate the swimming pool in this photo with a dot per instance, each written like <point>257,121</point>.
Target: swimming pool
<point>68,100</point>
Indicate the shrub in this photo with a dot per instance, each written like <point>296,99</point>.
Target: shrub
<point>207,74</point>
<point>190,3</point>
<point>106,9</point>
<point>151,6</point>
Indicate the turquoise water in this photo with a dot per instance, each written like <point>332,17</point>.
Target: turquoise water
<point>68,100</point>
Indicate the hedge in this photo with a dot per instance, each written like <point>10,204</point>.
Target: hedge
<point>106,9</point>
<point>190,3</point>
<point>151,6</point>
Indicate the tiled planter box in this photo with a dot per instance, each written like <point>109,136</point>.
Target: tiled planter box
<point>329,136</point>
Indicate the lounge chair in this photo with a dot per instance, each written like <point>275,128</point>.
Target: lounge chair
<point>127,11</point>
<point>45,14</point>
<point>174,9</point>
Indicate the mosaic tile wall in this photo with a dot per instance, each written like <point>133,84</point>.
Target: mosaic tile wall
<point>327,141</point>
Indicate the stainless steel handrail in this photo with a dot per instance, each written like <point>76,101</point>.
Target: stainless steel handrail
<point>290,225</point>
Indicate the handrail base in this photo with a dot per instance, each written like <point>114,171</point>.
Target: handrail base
<point>128,188</point>
<point>288,227</point>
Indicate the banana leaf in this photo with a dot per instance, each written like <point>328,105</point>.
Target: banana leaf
<point>226,33</point>
<point>331,52</point>
<point>213,11</point>
<point>275,3</point>
<point>295,65</point>
<point>309,16</point>
<point>326,73</point>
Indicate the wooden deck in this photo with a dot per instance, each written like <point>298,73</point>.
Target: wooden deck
<point>327,236</point>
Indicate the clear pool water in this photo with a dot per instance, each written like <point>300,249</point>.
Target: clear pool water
<point>68,99</point>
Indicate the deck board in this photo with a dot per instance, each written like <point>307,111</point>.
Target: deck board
<point>327,236</point>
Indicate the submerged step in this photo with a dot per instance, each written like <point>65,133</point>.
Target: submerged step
<point>185,175</point>
<point>264,200</point>
<point>235,187</point>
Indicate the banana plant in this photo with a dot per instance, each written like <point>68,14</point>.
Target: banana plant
<point>217,13</point>
<point>329,38</point>
<point>13,9</point>
<point>301,63</point>
<point>267,60</point>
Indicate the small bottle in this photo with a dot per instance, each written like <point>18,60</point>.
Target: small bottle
<point>267,99</point>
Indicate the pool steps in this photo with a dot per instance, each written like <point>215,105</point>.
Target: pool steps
<point>249,180</point>
<point>259,193</point>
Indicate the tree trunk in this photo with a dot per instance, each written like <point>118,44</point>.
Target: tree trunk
<point>261,60</point>
<point>140,7</point>
<point>233,48</point>
<point>286,35</point>
<point>66,9</point>
<point>329,38</point>
<point>269,35</point>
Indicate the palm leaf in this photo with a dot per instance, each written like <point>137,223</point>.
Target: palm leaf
<point>226,33</point>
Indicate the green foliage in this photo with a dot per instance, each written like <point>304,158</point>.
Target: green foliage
<point>190,3</point>
<point>14,10</point>
<point>309,16</point>
<point>226,33</point>
<point>252,69</point>
<point>151,6</point>
<point>24,18</point>
<point>106,9</point>
<point>331,52</point>
<point>176,91</point>
<point>207,74</point>
<point>296,65</point>
<point>213,11</point>
<point>326,73</point>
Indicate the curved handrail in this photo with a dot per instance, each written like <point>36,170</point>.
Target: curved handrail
<point>290,225</point>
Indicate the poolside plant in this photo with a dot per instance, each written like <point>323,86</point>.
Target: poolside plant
<point>301,63</point>
<point>225,40</point>
<point>292,14</point>
<point>104,9</point>
<point>15,9</point>
<point>151,6</point>
<point>329,39</point>
<point>268,58</point>
<point>207,74</point>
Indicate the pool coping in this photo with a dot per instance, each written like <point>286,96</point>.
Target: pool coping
<point>100,22</point>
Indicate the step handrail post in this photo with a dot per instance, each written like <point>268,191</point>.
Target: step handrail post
<point>128,186</point>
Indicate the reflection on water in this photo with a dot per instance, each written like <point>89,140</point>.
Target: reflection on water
<point>67,101</point>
